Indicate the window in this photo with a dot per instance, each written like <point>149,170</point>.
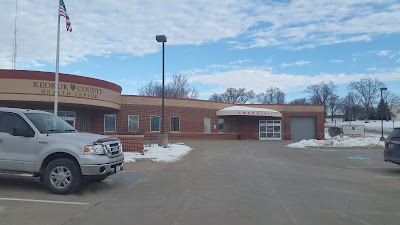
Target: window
<point>154,124</point>
<point>12,121</point>
<point>207,125</point>
<point>85,122</point>
<point>220,125</point>
<point>233,128</point>
<point>133,123</point>
<point>175,126</point>
<point>110,122</point>
<point>49,123</point>
<point>67,116</point>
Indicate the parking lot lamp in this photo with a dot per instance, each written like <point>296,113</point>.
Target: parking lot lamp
<point>382,109</point>
<point>162,138</point>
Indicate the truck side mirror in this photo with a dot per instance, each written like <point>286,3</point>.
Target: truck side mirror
<point>23,132</point>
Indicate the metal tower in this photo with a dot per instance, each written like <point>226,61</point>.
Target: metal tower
<point>14,56</point>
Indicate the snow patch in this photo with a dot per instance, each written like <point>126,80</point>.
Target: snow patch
<point>370,140</point>
<point>374,125</point>
<point>172,153</point>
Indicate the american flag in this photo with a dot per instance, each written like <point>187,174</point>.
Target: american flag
<point>63,12</point>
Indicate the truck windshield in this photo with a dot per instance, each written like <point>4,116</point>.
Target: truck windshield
<point>49,123</point>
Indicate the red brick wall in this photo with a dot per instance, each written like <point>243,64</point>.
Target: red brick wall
<point>191,120</point>
<point>192,123</point>
<point>131,143</point>
<point>193,136</point>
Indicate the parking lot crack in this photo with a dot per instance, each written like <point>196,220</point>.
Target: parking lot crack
<point>280,199</point>
<point>169,216</point>
<point>344,215</point>
<point>90,208</point>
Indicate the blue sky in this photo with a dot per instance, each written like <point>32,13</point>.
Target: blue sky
<point>216,44</point>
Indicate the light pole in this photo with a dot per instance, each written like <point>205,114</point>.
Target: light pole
<point>382,109</point>
<point>162,138</point>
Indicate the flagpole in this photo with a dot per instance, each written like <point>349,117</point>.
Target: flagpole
<point>57,61</point>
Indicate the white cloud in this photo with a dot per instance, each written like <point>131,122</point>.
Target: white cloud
<point>336,61</point>
<point>240,61</point>
<point>258,79</point>
<point>306,24</point>
<point>104,27</point>
<point>298,63</point>
<point>5,62</point>
<point>378,69</point>
<point>382,53</point>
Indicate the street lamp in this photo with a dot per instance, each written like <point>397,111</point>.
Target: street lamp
<point>383,108</point>
<point>162,138</point>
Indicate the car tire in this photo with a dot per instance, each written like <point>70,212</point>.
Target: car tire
<point>62,176</point>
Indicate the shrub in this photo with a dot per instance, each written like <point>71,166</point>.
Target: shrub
<point>334,131</point>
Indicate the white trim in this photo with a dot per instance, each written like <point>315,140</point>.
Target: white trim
<point>248,111</point>
<point>138,122</point>
<point>42,201</point>
<point>170,124</point>
<point>159,124</point>
<point>115,122</point>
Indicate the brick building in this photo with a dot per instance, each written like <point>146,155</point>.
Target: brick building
<point>97,106</point>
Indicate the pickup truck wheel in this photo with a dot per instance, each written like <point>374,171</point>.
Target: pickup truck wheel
<point>62,176</point>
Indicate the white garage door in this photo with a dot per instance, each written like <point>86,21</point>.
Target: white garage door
<point>302,128</point>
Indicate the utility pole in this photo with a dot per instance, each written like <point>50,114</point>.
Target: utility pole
<point>14,56</point>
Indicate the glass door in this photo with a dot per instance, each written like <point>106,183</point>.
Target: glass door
<point>270,130</point>
<point>68,117</point>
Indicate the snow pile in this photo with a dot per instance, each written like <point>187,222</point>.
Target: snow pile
<point>369,125</point>
<point>370,140</point>
<point>172,153</point>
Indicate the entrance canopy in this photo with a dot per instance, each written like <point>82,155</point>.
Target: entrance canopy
<point>248,111</point>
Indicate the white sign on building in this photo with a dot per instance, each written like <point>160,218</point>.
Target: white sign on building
<point>353,130</point>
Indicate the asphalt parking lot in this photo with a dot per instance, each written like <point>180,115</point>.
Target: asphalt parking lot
<point>223,182</point>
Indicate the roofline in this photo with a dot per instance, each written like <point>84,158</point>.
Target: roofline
<point>49,76</point>
<point>283,104</point>
<point>172,98</point>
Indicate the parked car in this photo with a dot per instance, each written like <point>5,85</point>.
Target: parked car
<point>43,145</point>
<point>392,147</point>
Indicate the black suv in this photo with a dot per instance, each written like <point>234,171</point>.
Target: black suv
<point>392,147</point>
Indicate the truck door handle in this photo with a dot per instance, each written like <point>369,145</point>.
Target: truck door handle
<point>43,142</point>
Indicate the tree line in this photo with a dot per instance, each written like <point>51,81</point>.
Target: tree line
<point>362,101</point>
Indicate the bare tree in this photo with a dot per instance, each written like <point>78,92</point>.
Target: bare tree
<point>349,105</point>
<point>333,104</point>
<point>391,99</point>
<point>272,95</point>
<point>368,91</point>
<point>179,87</point>
<point>299,101</point>
<point>151,89</point>
<point>321,92</point>
<point>234,95</point>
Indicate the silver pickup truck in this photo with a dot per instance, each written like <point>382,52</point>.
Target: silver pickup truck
<point>42,144</point>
